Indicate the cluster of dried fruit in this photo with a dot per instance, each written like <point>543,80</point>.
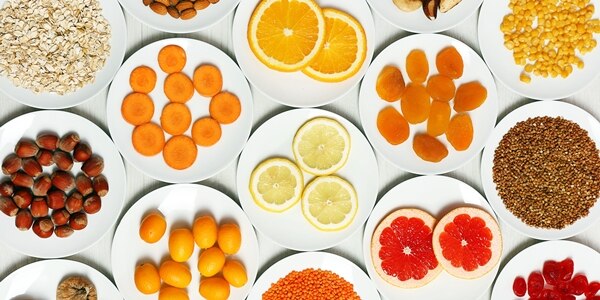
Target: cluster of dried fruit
<point>76,288</point>
<point>430,7</point>
<point>177,9</point>
<point>30,194</point>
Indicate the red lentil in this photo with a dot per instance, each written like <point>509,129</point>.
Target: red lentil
<point>311,284</point>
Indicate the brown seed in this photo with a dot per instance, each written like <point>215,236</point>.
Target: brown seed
<point>74,203</point>
<point>22,198</point>
<point>60,217</point>
<point>158,8</point>
<point>63,231</point>
<point>43,227</point>
<point>11,164</point>
<point>44,157</point>
<point>93,166</point>
<point>163,2</point>
<point>92,204</point>
<point>56,199</point>
<point>39,207</point>
<point>47,141</point>
<point>83,184</point>
<point>62,160</point>
<point>41,185</point>
<point>100,184</point>
<point>8,206</point>
<point>173,2</point>
<point>173,12</point>
<point>63,181</point>
<point>201,4</point>
<point>26,148</point>
<point>188,14</point>
<point>183,5</point>
<point>68,142</point>
<point>19,178</point>
<point>7,188</point>
<point>82,152</point>
<point>23,220</point>
<point>147,2</point>
<point>78,221</point>
<point>213,1</point>
<point>32,167</point>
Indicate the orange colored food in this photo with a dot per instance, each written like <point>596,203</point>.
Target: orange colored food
<point>137,109</point>
<point>148,139</point>
<point>153,227</point>
<point>460,132</point>
<point>180,152</point>
<point>206,131</point>
<point>441,88</point>
<point>172,293</point>
<point>429,148</point>
<point>392,126</point>
<point>205,231</point>
<point>235,273</point>
<point>211,261</point>
<point>175,118</point>
<point>449,63</point>
<point>146,279</point>
<point>229,238</point>
<point>142,79</point>
<point>214,288</point>
<point>208,80</point>
<point>390,84</point>
<point>415,104</point>
<point>417,66</point>
<point>311,284</point>
<point>171,59</point>
<point>439,117</point>
<point>225,107</point>
<point>181,244</point>
<point>469,96</point>
<point>175,274</point>
<point>179,87</point>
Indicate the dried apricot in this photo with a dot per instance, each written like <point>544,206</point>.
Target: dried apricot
<point>469,96</point>
<point>390,84</point>
<point>392,126</point>
<point>417,66</point>
<point>449,63</point>
<point>439,117</point>
<point>429,148</point>
<point>415,103</point>
<point>460,132</point>
<point>441,88</point>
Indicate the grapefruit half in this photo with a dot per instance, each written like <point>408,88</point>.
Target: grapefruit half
<point>467,242</point>
<point>401,249</point>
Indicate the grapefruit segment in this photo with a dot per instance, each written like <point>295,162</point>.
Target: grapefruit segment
<point>401,249</point>
<point>467,242</point>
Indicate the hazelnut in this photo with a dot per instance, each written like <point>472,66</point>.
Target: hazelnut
<point>63,181</point>
<point>47,141</point>
<point>43,227</point>
<point>31,167</point>
<point>39,207</point>
<point>22,198</point>
<point>63,231</point>
<point>100,184</point>
<point>41,185</point>
<point>11,164</point>
<point>78,221</point>
<point>20,178</point>
<point>93,166</point>
<point>8,206</point>
<point>60,217</point>
<point>56,199</point>
<point>68,142</point>
<point>23,220</point>
<point>74,203</point>
<point>92,204</point>
<point>62,160</point>
<point>7,188</point>
<point>26,148</point>
<point>82,152</point>
<point>83,184</point>
<point>44,157</point>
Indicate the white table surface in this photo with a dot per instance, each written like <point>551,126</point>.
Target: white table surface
<point>220,35</point>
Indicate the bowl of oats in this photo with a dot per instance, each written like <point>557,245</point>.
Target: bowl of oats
<point>58,54</point>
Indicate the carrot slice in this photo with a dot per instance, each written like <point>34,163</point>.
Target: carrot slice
<point>206,131</point>
<point>208,80</point>
<point>148,139</point>
<point>137,109</point>
<point>175,118</point>
<point>225,107</point>
<point>171,59</point>
<point>179,88</point>
<point>142,79</point>
<point>180,152</point>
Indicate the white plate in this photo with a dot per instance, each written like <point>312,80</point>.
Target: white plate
<point>118,41</point>
<point>180,204</point>
<point>316,260</point>
<point>204,19</point>
<point>403,156</point>
<point>60,122</point>
<point>39,280</point>
<point>210,160</point>
<point>586,261</point>
<point>436,195</point>
<point>501,62</point>
<point>290,229</point>
<point>537,109</point>
<point>296,89</point>
<point>416,21</point>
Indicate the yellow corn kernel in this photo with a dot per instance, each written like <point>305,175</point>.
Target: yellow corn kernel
<point>525,78</point>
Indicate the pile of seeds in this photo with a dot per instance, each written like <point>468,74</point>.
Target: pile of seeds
<point>547,172</point>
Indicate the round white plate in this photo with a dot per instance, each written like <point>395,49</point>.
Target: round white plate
<point>290,229</point>
<point>294,88</point>
<point>180,204</point>
<point>210,160</point>
<point>501,62</point>
<point>416,21</point>
<point>436,195</point>
<point>39,280</point>
<point>204,19</point>
<point>60,122</point>
<point>316,260</point>
<point>403,155</point>
<point>118,41</point>
<point>537,109</point>
<point>586,261</point>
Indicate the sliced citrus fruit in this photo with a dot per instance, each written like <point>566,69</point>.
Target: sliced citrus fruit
<point>286,35</point>
<point>402,251</point>
<point>321,146</point>
<point>329,203</point>
<point>344,51</point>
<point>276,184</point>
<point>467,242</point>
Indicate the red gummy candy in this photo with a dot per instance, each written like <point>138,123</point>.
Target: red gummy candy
<point>520,286</point>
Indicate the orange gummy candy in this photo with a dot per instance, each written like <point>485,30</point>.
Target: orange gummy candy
<point>439,117</point>
<point>417,66</point>
<point>450,63</point>
<point>415,103</point>
<point>469,96</point>
<point>392,126</point>
<point>429,148</point>
<point>441,88</point>
<point>460,132</point>
<point>390,84</point>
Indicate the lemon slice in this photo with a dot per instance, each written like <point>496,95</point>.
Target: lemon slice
<point>276,184</point>
<point>321,146</point>
<point>329,203</point>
